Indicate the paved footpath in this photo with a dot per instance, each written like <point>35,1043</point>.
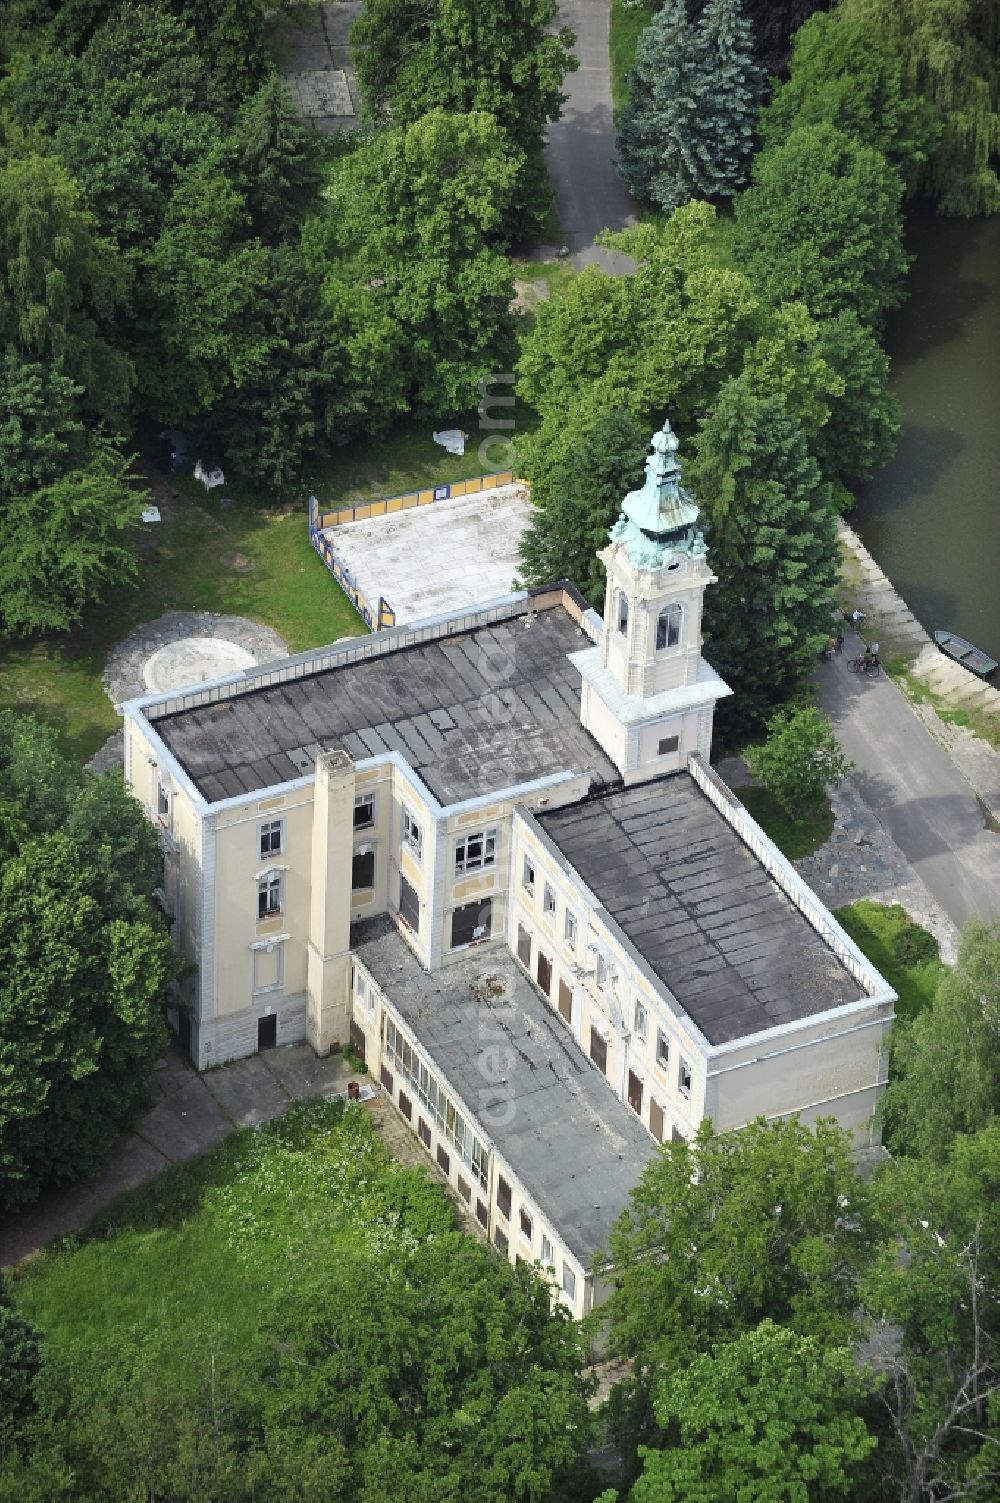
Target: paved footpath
<point>590,196</point>
<point>912,785</point>
<point>190,1113</point>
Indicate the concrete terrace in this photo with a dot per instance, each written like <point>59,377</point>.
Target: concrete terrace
<point>719,932</point>
<point>445,557</point>
<point>575,1147</point>
<point>472,711</point>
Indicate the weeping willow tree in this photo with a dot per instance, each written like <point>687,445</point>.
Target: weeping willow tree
<point>949,51</point>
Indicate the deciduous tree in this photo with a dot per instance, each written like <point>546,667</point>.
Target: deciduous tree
<point>949,53</point>
<point>800,761</point>
<point>772,1415</point>
<point>65,545</point>
<point>936,1092</point>
<point>725,1231</point>
<point>821,223</point>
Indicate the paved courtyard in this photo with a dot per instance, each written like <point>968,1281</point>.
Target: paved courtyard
<point>447,556</point>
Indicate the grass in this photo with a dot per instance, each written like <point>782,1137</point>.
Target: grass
<point>628,22</point>
<point>252,560</point>
<point>905,954</point>
<point>205,1247</point>
<point>793,837</point>
<point>979,722</point>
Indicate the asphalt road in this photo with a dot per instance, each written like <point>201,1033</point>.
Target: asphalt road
<point>590,196</point>
<point>911,784</point>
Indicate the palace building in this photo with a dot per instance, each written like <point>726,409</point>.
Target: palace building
<point>488,850</point>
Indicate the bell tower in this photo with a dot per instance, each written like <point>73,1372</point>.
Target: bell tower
<point>648,695</point>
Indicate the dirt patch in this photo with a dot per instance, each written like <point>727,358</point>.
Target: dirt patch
<point>239,563</point>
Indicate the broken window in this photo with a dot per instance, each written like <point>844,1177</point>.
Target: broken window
<point>271,838</point>
<point>599,1050</point>
<point>409,905</point>
<point>412,836</point>
<point>269,896</point>
<point>503,1197</point>
<point>470,922</point>
<point>364,811</point>
<point>525,1224</point>
<point>475,852</point>
<point>622,612</point>
<point>666,745</point>
<point>548,901</point>
<point>569,929</point>
<point>683,1076</point>
<point>528,875</point>
<point>662,1048</point>
<point>363,871</point>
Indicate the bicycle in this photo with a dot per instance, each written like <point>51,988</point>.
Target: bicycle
<point>864,664</point>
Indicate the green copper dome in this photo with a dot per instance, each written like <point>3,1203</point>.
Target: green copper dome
<point>660,518</point>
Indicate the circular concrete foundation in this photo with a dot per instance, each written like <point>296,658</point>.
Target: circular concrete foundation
<point>193,660</point>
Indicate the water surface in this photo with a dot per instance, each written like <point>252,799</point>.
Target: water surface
<point>931,518</point>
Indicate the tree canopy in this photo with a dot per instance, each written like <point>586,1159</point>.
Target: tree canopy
<point>800,760</point>
<point>85,963</point>
<point>851,256</point>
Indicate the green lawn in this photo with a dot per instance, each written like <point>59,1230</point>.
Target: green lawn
<point>906,954</point>
<point>197,560</point>
<point>206,1246</point>
<point>793,837</point>
<point>628,22</point>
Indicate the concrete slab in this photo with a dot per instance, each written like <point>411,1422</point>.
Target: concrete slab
<point>185,1125</point>
<point>247,1091</point>
<point>194,660</point>
<point>300,1074</point>
<point>446,556</point>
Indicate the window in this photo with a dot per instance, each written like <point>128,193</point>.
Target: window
<point>668,626</point>
<point>363,871</point>
<point>405,1106</point>
<point>548,1252</point>
<point>549,901</point>
<point>482,1214</point>
<point>525,1224</point>
<point>465,1189</point>
<point>666,745</point>
<point>424,1132</point>
<point>683,1076</point>
<point>635,1093</point>
<point>569,929</point>
<point>656,1120</point>
<point>622,612</point>
<point>162,799</point>
<point>639,1020</point>
<point>602,971</point>
<point>569,1281</point>
<point>411,834</point>
<point>500,1238</point>
<point>474,852</point>
<point>364,811</point>
<point>409,905</point>
<point>385,1076</point>
<point>565,1001</point>
<point>524,947</point>
<point>444,1162</point>
<point>528,875</point>
<point>271,838</point>
<point>544,973</point>
<point>470,922</point>
<point>599,1050</point>
<point>662,1048</point>
<point>676,1136</point>
<point>269,896</point>
<point>503,1197</point>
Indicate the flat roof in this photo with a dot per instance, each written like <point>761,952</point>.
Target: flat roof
<point>444,557</point>
<point>713,923</point>
<point>471,710</point>
<point>575,1147</point>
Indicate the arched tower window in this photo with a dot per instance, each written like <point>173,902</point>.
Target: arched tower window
<point>622,612</point>
<point>668,626</point>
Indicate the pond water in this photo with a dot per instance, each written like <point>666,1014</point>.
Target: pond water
<point>931,518</point>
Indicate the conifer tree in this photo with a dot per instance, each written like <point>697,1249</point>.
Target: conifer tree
<point>687,129</point>
<point>729,98</point>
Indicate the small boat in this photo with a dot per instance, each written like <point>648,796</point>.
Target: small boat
<point>963,652</point>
